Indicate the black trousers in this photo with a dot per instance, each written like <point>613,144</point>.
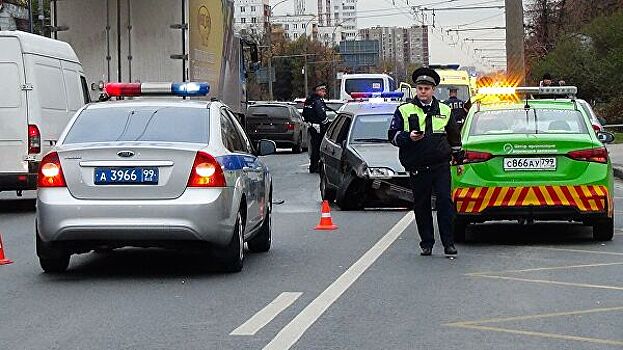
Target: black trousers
<point>423,182</point>
<point>314,144</point>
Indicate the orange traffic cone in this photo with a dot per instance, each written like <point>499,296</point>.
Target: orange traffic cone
<point>326,224</point>
<point>3,260</point>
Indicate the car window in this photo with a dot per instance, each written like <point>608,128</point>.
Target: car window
<point>246,144</point>
<point>371,128</point>
<point>343,133</point>
<point>442,92</point>
<point>392,84</point>
<point>364,85</point>
<point>281,112</point>
<point>85,90</point>
<point>229,134</point>
<point>532,121</point>
<point>144,123</point>
<point>334,128</point>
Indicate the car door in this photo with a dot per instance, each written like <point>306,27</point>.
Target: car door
<point>332,149</point>
<point>252,172</point>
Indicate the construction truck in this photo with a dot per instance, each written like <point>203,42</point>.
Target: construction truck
<point>158,41</point>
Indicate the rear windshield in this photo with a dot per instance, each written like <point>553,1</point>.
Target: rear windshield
<point>364,85</point>
<point>272,111</point>
<point>531,121</point>
<point>371,128</point>
<point>167,124</point>
<point>442,92</point>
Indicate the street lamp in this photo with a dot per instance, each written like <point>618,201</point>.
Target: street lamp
<point>270,48</point>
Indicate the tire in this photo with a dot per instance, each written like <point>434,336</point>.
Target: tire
<point>298,147</point>
<point>263,239</point>
<point>459,228</point>
<point>233,256</point>
<point>603,230</point>
<point>51,259</point>
<point>326,193</point>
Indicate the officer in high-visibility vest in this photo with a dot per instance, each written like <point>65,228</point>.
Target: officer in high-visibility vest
<point>428,138</point>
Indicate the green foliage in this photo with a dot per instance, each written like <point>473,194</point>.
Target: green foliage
<point>591,59</point>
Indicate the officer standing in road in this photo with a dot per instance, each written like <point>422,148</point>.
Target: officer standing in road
<point>428,138</point>
<point>457,105</point>
<point>314,112</point>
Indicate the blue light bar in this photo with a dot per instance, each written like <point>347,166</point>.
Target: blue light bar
<point>387,94</point>
<point>190,89</point>
<point>393,94</point>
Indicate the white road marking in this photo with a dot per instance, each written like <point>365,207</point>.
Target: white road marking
<point>581,251</point>
<point>267,314</point>
<point>294,330</point>
<point>544,269</point>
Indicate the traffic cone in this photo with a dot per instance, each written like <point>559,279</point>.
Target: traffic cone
<point>3,260</point>
<point>326,224</point>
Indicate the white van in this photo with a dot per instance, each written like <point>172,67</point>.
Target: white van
<point>365,83</point>
<point>43,85</point>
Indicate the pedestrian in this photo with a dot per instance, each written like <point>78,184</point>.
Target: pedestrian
<point>457,105</point>
<point>428,138</point>
<point>315,113</point>
<point>9,13</point>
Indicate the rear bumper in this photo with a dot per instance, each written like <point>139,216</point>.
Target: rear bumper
<point>537,202</point>
<point>205,215</point>
<point>14,182</point>
<point>278,137</point>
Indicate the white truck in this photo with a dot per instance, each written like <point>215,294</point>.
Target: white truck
<point>43,85</point>
<point>158,41</point>
<point>365,83</point>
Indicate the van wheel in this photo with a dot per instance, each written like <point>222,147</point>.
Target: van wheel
<point>51,259</point>
<point>233,256</point>
<point>459,230</point>
<point>603,230</point>
<point>262,241</point>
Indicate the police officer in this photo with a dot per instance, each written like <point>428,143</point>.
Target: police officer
<point>457,105</point>
<point>428,138</point>
<point>314,112</point>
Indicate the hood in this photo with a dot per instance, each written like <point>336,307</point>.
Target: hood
<point>379,155</point>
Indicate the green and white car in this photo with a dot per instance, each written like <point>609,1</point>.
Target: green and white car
<point>534,159</point>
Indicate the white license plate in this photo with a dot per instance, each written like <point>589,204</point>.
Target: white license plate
<point>543,163</point>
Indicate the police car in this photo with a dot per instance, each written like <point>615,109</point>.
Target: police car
<point>358,165</point>
<point>154,172</point>
<point>534,159</point>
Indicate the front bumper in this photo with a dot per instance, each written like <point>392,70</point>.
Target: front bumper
<point>398,187</point>
<point>205,215</point>
<point>540,202</point>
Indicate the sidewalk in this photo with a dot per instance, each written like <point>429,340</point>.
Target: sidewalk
<point>616,156</point>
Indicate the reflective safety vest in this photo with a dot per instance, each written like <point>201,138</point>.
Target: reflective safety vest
<point>439,121</point>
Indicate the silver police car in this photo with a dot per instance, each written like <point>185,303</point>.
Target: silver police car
<point>153,173</point>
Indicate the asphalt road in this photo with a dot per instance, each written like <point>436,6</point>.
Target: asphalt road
<point>364,286</point>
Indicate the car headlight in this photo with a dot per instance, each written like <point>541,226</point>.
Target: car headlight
<point>379,173</point>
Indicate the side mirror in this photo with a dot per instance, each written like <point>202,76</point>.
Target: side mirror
<point>605,136</point>
<point>266,147</point>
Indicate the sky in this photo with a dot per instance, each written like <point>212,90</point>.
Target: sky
<point>445,47</point>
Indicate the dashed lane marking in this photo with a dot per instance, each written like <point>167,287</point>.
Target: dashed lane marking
<point>267,314</point>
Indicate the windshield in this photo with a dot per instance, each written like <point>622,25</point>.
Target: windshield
<point>531,121</point>
<point>443,93</point>
<point>364,85</point>
<point>371,128</point>
<point>145,123</point>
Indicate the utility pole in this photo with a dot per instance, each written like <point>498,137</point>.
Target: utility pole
<point>515,56</point>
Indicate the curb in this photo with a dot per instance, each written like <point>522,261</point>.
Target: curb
<point>618,172</point>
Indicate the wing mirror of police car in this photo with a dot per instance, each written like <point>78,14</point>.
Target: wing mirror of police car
<point>605,136</point>
<point>266,147</point>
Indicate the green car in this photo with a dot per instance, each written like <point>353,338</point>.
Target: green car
<point>534,159</point>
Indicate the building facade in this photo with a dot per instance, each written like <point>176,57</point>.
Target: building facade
<point>296,26</point>
<point>252,16</point>
<point>340,16</point>
<point>400,46</point>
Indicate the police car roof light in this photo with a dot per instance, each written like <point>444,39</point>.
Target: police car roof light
<point>368,95</point>
<point>157,89</point>
<point>547,90</point>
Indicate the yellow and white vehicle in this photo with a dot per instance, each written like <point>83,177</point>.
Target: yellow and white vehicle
<point>450,76</point>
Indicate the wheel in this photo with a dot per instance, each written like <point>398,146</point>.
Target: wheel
<point>326,193</point>
<point>51,259</point>
<point>459,228</point>
<point>298,147</point>
<point>233,256</point>
<point>263,239</point>
<point>355,196</point>
<point>603,230</point>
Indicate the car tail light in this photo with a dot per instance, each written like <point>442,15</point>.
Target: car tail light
<point>597,127</point>
<point>290,126</point>
<point>50,172</point>
<point>34,140</point>
<point>599,155</point>
<point>476,157</point>
<point>206,172</point>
